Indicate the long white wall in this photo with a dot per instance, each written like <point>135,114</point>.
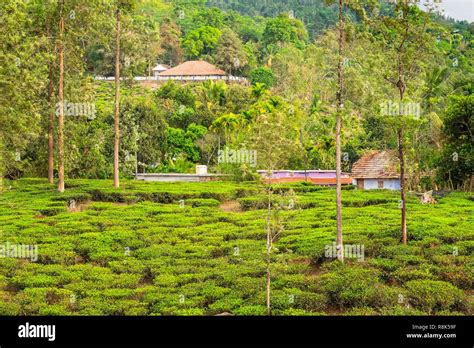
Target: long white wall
<point>388,184</point>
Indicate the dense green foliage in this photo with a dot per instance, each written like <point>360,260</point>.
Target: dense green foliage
<point>137,251</point>
<point>290,72</point>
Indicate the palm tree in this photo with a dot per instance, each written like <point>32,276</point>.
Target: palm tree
<point>435,86</point>
<point>213,93</point>
<point>259,89</point>
<point>226,123</point>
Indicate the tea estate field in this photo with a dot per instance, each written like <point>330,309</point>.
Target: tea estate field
<point>199,249</point>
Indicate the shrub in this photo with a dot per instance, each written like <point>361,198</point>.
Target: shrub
<point>280,300</point>
<point>54,310</point>
<point>255,202</point>
<point>387,265</point>
<point>361,311</point>
<point>188,311</point>
<point>51,211</point>
<point>410,259</point>
<point>312,302</point>
<point>203,202</point>
<point>392,251</point>
<point>403,275</point>
<point>432,295</point>
<point>297,312</point>
<point>470,305</point>
<point>168,280</point>
<point>381,295</point>
<point>461,276</point>
<point>401,310</point>
<point>251,310</point>
<point>262,75</point>
<point>350,286</point>
<point>9,308</point>
<point>226,304</point>
<point>27,280</point>
<point>35,301</point>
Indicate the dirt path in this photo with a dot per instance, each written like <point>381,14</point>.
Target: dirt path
<point>231,206</point>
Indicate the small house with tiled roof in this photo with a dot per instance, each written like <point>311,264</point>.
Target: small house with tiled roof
<point>377,170</point>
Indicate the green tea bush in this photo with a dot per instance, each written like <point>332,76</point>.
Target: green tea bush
<point>54,310</point>
<point>9,309</point>
<point>410,259</point>
<point>102,306</point>
<point>52,210</point>
<point>365,203</point>
<point>386,265</point>
<point>352,287</point>
<point>296,312</point>
<point>37,301</point>
<point>251,310</point>
<point>470,304</point>
<point>398,250</point>
<point>258,202</point>
<point>312,302</point>
<point>227,304</point>
<point>403,275</point>
<point>68,197</point>
<point>401,310</point>
<point>433,296</point>
<point>203,202</point>
<point>461,276</point>
<point>28,280</point>
<point>361,311</point>
<point>381,295</point>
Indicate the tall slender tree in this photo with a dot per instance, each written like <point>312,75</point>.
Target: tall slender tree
<point>50,128</point>
<point>406,38</point>
<point>61,98</point>
<point>117,99</point>
<point>339,106</point>
<point>360,8</point>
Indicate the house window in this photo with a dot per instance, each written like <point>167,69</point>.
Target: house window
<point>380,184</point>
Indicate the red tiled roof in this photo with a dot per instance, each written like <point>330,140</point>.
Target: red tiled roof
<point>194,68</point>
<point>376,165</point>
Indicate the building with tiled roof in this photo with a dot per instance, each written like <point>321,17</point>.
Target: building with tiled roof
<point>196,70</point>
<point>377,170</point>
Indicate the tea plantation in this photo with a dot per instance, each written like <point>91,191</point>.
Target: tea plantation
<point>199,249</point>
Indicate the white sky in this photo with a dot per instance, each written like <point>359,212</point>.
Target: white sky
<point>457,9</point>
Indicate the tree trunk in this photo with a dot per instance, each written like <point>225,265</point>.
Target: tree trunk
<point>50,116</point>
<point>401,156</point>
<point>339,244</point>
<point>269,249</point>
<point>61,101</point>
<point>117,103</point>
<point>50,131</point>
<point>402,185</point>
